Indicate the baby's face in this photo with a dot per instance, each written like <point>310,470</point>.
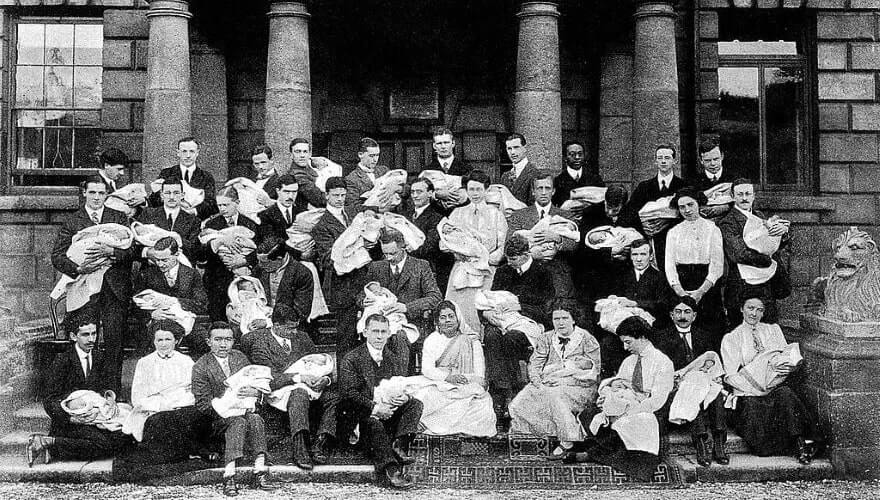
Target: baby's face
<point>76,404</point>
<point>374,287</point>
<point>246,286</point>
<point>617,385</point>
<point>598,237</point>
<point>708,365</point>
<point>448,229</point>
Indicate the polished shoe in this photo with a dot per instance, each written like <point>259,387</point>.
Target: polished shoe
<point>301,457</point>
<point>262,481</point>
<point>805,452</point>
<point>36,446</point>
<point>701,445</point>
<point>230,489</point>
<point>718,452</point>
<point>558,453</point>
<point>400,451</point>
<point>319,449</point>
<point>395,478</point>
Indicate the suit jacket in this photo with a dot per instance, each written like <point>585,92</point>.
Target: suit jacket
<point>65,376</point>
<point>702,183</point>
<point>441,262</point>
<point>649,190</point>
<point>358,183</point>
<point>306,178</point>
<point>268,352</point>
<point>670,343</point>
<point>217,276</point>
<point>359,375</point>
<point>735,249</point>
<point>188,288</point>
<point>526,218</point>
<point>563,183</point>
<point>201,179</point>
<point>534,288</point>
<point>521,187</point>
<point>339,291</point>
<point>296,289</point>
<point>118,278</point>
<point>271,186</point>
<point>186,225</point>
<point>416,286</point>
<point>208,378</point>
<point>272,231</point>
<point>651,292</point>
<point>458,167</point>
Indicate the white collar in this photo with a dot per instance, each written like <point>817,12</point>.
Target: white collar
<point>667,179</point>
<point>747,214</point>
<point>525,267</point>
<point>681,332</point>
<point>716,175</point>
<point>420,210</point>
<point>374,353</point>
<point>641,273</point>
<point>188,169</point>
<point>284,209</point>
<point>174,271</point>
<point>281,340</point>
<point>99,213</point>
<point>80,353</point>
<point>173,212</point>
<point>575,174</point>
<point>336,212</point>
<point>400,264</point>
<point>369,172</point>
<point>519,166</point>
<point>269,174</point>
<point>447,162</point>
<point>222,361</point>
<point>546,209</point>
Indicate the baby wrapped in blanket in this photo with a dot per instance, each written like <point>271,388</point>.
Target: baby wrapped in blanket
<point>252,199</point>
<point>316,365</point>
<point>502,309</point>
<point>500,196</point>
<point>756,235</point>
<point>444,184</point>
<point>468,250</point>
<point>583,197</point>
<point>385,193</point>
<point>762,375</point>
<point>299,234</point>
<point>658,214</point>
<point>151,300</point>
<point>555,224</point>
<point>230,405</point>
<point>381,302</point>
<point>148,234</point>
<point>610,237</point>
<point>699,384</point>
<point>110,414</point>
<point>192,197</point>
<point>247,303</point>
<point>621,409</point>
<point>721,194</point>
<point>126,198</point>
<point>80,289</point>
<point>613,310</point>
<point>349,251</point>
<point>325,169</point>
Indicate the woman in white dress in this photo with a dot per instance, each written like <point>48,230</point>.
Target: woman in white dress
<point>489,224</point>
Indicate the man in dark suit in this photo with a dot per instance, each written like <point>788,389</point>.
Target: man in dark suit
<point>296,290</point>
<point>387,427</point>
<point>665,183</point>
<point>365,173</point>
<point>115,297</point>
<point>208,376</point>
<point>302,168</point>
<point>80,367</point>
<point>265,175</point>
<point>736,252</point>
<point>277,219</point>
<point>189,172</point>
<point>423,214</point>
<point>112,167</point>
<point>682,344</point>
<point>575,174</point>
<point>278,348</point>
<point>711,173</point>
<point>519,178</point>
<point>172,218</point>
<point>445,160</point>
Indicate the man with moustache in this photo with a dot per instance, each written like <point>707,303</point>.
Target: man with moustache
<point>264,168</point>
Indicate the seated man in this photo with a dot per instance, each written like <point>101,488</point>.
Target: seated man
<point>279,348</point>
<point>387,426</point>
<point>423,213</point>
<point>171,217</point>
<point>208,377</point>
<point>80,366</point>
<point>683,344</point>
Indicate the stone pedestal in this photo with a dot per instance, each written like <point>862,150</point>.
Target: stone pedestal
<point>288,79</point>
<point>843,384</point>
<point>655,84</point>
<point>537,100</point>
<point>168,98</point>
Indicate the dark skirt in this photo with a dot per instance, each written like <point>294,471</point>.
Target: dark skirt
<point>771,424</point>
<point>172,436</point>
<point>710,310</point>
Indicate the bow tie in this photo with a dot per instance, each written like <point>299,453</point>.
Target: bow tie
<point>164,357</point>
<point>563,341</point>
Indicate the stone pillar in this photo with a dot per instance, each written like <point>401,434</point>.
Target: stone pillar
<point>655,84</point>
<point>168,98</point>
<point>288,78</point>
<point>210,118</point>
<point>841,362</point>
<point>537,100</point>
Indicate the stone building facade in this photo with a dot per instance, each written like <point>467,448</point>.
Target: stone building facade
<point>790,87</point>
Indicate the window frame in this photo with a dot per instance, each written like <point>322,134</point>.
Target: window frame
<point>10,138</point>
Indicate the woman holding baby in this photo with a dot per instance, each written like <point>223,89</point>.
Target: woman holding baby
<point>769,416</point>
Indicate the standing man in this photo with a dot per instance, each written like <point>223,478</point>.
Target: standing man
<point>387,426</point>
<point>112,168</point>
<point>194,176</point>
<point>301,168</point>
<point>208,377</point>
<point>264,168</point>
<point>277,219</point>
<point>113,300</point>
<point>171,217</point>
<point>575,174</point>
<point>712,173</point>
<point>425,216</point>
<point>519,178</point>
<point>365,173</point>
<point>445,159</point>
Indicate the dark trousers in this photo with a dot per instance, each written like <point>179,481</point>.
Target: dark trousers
<point>238,431</point>
<point>380,434</point>
<point>87,442</point>
<point>503,354</point>
<point>347,337</point>
<point>300,408</point>
<point>113,313</point>
<point>711,419</point>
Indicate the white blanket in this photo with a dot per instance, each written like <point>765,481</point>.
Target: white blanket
<point>317,365</point>
<point>230,405</point>
<point>698,386</point>
<point>639,431</point>
<point>756,235</point>
<point>151,300</point>
<point>502,309</point>
<point>612,312</point>
<point>760,377</point>
<point>499,195</point>
<point>252,199</point>
<point>468,250</point>
<point>383,301</point>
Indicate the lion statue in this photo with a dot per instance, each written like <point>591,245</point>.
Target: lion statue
<point>851,292</point>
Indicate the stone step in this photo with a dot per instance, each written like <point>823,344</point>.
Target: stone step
<point>13,444</point>
<point>31,418</point>
<point>748,468</point>
<point>680,443</point>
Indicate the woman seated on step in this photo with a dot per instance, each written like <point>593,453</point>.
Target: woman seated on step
<point>563,376</point>
<point>767,413</point>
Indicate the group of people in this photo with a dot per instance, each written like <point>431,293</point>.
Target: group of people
<point>550,305</point>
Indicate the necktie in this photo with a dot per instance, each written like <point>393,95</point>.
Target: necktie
<point>759,346</point>
<point>344,219</point>
<point>95,218</point>
<point>662,185</point>
<point>225,366</point>
<point>687,347</point>
<point>170,279</point>
<point>88,365</point>
<point>395,271</point>
<point>112,186</point>
<point>170,222</point>
<point>563,341</point>
<point>289,216</point>
<point>186,175</point>
<point>287,346</point>
<point>541,214</point>
<point>638,383</point>
<point>714,178</point>
<point>230,221</point>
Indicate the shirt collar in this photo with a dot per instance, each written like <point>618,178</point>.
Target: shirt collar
<point>680,331</point>
<point>446,161</point>
<point>744,212</point>
<point>667,179</point>
<point>575,174</point>
<point>284,209</point>
<point>546,208</point>
<point>173,271</point>
<point>281,340</point>
<point>374,353</point>
<point>173,212</point>
<point>80,353</point>
<point>336,212</point>
<point>91,212</point>
<point>716,175</point>
<point>371,171</point>
<point>191,170</point>
<point>519,166</point>
<point>268,174</point>
<point>400,264</point>
<point>525,267</point>
<point>420,210</point>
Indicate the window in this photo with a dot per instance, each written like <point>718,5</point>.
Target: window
<point>57,105</point>
<point>765,99</point>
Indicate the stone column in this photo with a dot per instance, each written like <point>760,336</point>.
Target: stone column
<point>537,100</point>
<point>288,78</point>
<point>655,84</point>
<point>168,106</point>
<point>210,116</point>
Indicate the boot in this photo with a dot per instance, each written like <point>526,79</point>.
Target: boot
<point>805,451</point>
<point>400,447</point>
<point>301,457</point>
<point>701,445</point>
<point>718,452</point>
<point>319,449</point>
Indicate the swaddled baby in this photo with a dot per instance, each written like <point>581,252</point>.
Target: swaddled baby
<point>230,405</point>
<point>112,235</point>
<point>611,237</point>
<point>760,376</point>
<point>500,196</point>
<point>467,249</point>
<point>247,303</point>
<point>395,389</point>
<point>699,384</point>
<point>381,301</point>
<point>613,310</point>
<point>620,397</point>
<point>317,365</point>
<point>110,416</point>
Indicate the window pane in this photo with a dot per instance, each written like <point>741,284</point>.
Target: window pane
<point>89,41</point>
<point>59,44</point>
<point>30,43</point>
<point>33,119</point>
<point>59,86</point>
<point>29,87</point>
<point>59,118</point>
<point>783,90</point>
<point>30,148</point>
<point>87,87</point>
<point>59,144</point>
<point>87,141</point>
<point>738,48</point>
<point>738,91</point>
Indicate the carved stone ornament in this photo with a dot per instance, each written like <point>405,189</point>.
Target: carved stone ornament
<point>851,291</point>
